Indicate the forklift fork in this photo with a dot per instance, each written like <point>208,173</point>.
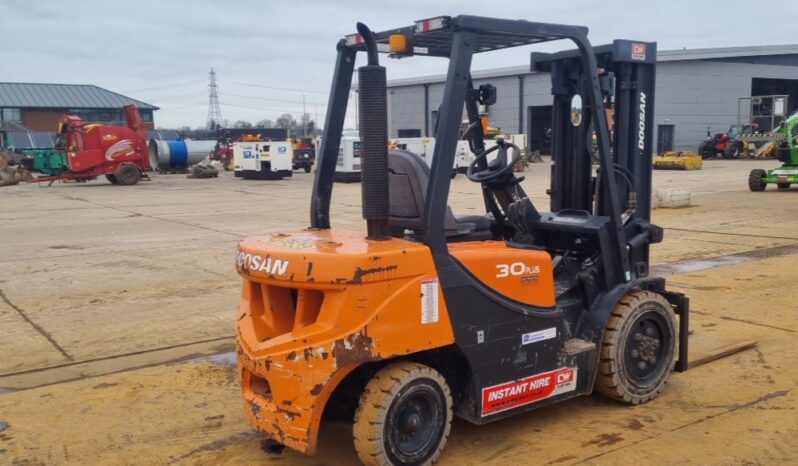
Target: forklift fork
<point>681,304</point>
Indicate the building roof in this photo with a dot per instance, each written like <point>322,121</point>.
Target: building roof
<point>726,52</point>
<point>718,53</point>
<point>41,95</point>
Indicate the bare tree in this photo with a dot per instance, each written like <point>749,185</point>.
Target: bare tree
<point>286,120</point>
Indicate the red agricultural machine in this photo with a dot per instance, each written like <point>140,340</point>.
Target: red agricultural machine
<point>85,151</point>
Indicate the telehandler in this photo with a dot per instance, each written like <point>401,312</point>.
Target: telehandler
<point>430,314</point>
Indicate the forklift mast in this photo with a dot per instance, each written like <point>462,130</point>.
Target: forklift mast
<point>626,72</point>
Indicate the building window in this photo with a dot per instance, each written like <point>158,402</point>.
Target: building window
<point>409,133</point>
<point>11,115</point>
<point>146,115</point>
<point>87,115</point>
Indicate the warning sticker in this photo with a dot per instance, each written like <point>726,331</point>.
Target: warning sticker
<point>429,300</point>
<point>538,387</point>
<point>540,335</point>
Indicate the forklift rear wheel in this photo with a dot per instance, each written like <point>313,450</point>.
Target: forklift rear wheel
<point>637,352</point>
<point>756,180</point>
<point>307,169</point>
<point>783,185</point>
<point>404,416</point>
<point>128,174</point>
<point>112,178</point>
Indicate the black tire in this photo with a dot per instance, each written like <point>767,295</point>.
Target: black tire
<point>111,178</point>
<point>638,348</point>
<point>128,174</point>
<point>783,185</point>
<point>733,150</point>
<point>307,169</point>
<point>707,150</point>
<point>404,416</point>
<point>756,180</point>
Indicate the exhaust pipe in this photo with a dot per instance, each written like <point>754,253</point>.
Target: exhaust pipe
<point>373,109</point>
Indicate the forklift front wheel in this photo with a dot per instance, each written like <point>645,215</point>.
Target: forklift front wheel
<point>404,416</point>
<point>637,352</point>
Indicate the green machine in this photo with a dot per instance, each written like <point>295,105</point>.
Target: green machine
<point>48,161</point>
<point>786,139</point>
<point>39,154</point>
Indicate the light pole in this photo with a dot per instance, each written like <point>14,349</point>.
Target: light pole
<point>304,119</point>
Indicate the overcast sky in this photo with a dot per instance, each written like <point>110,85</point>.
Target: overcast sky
<point>160,51</point>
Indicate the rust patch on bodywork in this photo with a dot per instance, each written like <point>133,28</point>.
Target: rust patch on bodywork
<point>355,348</point>
<point>360,272</point>
<point>255,408</point>
<point>288,413</point>
<point>317,389</point>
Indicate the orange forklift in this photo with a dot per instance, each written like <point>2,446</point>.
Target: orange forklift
<point>432,314</point>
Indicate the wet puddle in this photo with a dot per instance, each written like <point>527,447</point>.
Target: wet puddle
<point>730,259</point>
<point>229,358</point>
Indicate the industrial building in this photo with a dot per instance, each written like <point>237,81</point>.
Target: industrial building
<point>33,109</point>
<point>697,91</point>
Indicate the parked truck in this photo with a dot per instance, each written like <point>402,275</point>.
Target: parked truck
<point>83,151</point>
<point>304,153</point>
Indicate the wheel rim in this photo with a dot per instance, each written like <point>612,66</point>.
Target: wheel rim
<point>646,347</point>
<point>415,422</point>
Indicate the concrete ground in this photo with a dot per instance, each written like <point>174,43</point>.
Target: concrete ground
<point>112,298</point>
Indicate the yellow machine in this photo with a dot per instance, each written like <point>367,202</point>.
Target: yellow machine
<point>683,160</point>
<point>766,150</point>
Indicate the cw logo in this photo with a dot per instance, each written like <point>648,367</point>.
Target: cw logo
<point>516,269</point>
<point>565,377</point>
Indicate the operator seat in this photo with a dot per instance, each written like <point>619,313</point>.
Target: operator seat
<point>408,176</point>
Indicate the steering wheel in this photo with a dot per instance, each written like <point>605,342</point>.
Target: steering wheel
<point>498,167</point>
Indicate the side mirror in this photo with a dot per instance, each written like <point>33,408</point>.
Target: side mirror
<point>576,110</point>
